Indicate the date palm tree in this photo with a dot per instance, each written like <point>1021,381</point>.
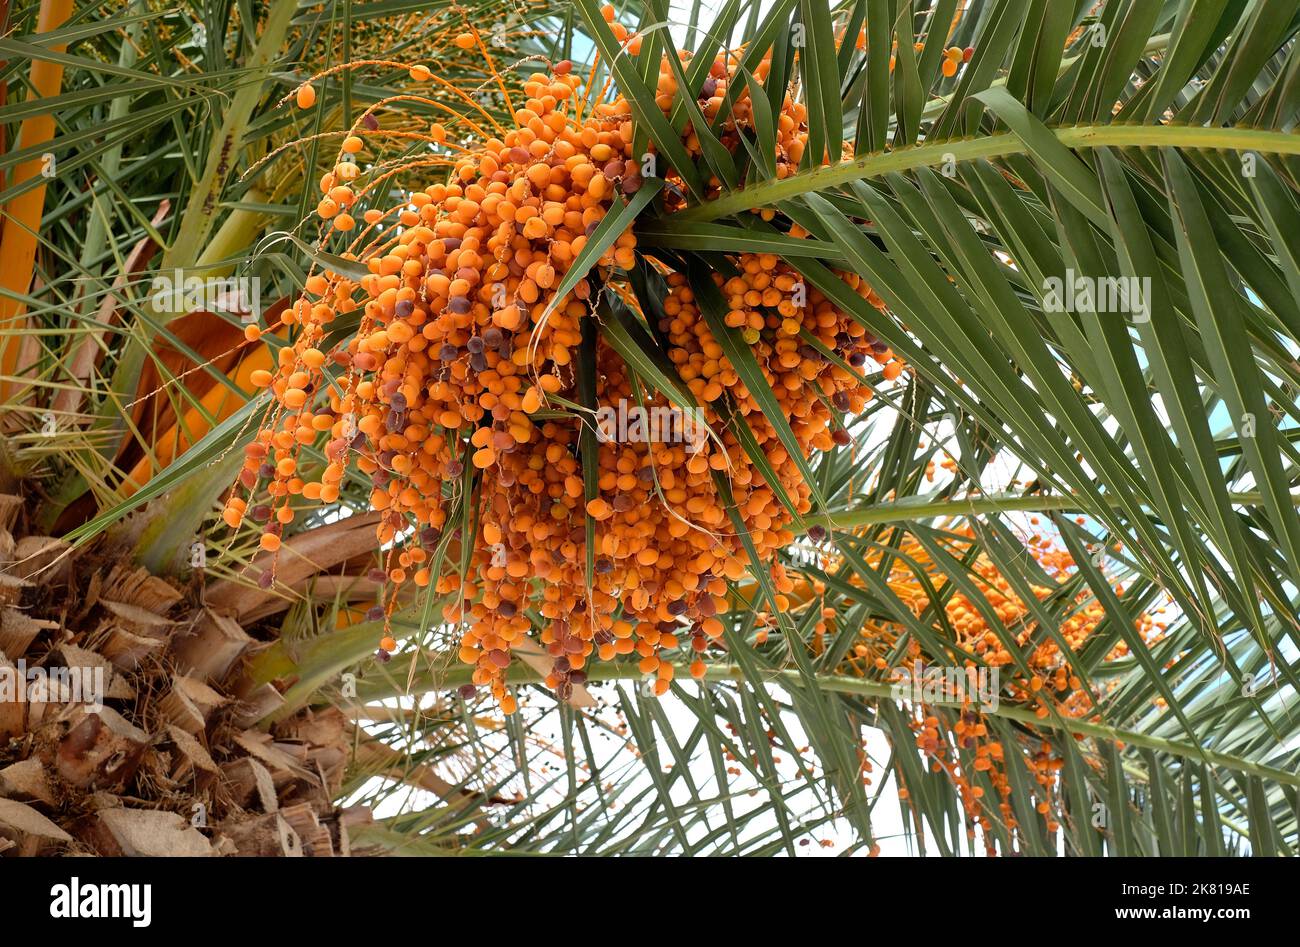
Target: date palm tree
<point>1077,218</point>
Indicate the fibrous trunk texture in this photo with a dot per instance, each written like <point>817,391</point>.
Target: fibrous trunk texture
<point>125,728</point>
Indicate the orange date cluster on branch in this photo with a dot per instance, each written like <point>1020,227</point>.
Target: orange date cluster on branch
<point>464,357</point>
<point>960,743</point>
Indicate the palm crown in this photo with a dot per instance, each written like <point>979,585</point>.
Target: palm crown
<point>988,308</point>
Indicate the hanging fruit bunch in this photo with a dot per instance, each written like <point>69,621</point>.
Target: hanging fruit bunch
<point>953,732</point>
<point>459,391</point>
